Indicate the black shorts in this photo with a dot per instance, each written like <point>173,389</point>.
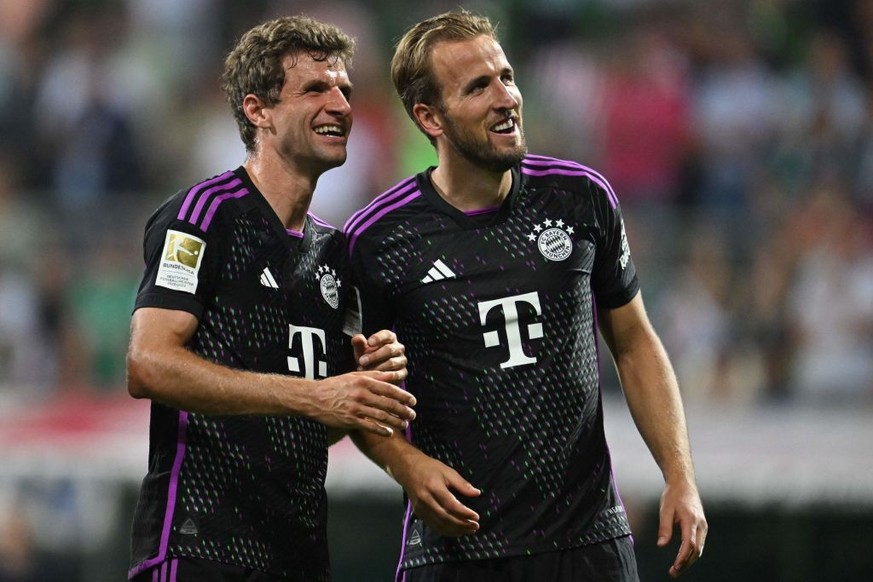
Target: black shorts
<point>609,561</point>
<point>197,570</point>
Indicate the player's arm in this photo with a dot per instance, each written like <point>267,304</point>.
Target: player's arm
<point>380,351</point>
<point>160,367</point>
<point>430,484</point>
<point>652,394</point>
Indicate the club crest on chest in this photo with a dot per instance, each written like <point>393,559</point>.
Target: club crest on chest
<point>553,239</point>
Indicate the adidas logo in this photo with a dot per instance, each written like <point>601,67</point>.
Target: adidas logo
<point>438,272</point>
<point>267,279</point>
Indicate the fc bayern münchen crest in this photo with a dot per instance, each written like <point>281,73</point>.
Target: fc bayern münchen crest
<point>553,239</point>
<point>329,285</point>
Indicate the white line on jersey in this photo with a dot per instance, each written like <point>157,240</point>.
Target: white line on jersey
<point>267,279</point>
<point>438,272</point>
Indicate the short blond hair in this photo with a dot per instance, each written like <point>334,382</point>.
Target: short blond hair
<point>411,66</point>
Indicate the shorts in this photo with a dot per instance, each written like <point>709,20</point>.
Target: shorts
<point>609,561</point>
<point>198,570</point>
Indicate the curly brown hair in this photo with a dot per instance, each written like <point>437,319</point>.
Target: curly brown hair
<point>254,65</point>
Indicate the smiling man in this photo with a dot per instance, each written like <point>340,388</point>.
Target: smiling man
<point>495,268</point>
<point>240,333</point>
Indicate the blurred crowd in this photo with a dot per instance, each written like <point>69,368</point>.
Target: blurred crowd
<point>738,135</point>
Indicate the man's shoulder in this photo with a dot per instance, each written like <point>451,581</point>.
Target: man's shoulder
<point>384,209</point>
<point>200,203</point>
<point>195,208</point>
<point>547,171</point>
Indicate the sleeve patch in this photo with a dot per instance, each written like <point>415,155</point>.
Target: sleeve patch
<point>625,248</point>
<point>180,261</point>
<point>353,323</point>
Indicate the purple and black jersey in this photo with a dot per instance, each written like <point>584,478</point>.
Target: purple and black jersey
<point>497,313</point>
<point>242,490</point>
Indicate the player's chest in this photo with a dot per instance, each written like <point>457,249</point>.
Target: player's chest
<point>541,248</point>
<point>308,284</point>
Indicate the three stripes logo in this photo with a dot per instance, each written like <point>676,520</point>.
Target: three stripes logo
<point>267,279</point>
<point>438,272</point>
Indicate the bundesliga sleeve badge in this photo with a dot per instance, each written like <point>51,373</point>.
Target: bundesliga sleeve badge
<point>180,261</point>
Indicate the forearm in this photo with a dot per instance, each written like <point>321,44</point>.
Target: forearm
<point>178,378</point>
<point>653,397</point>
<point>160,367</point>
<point>652,394</point>
<point>394,455</point>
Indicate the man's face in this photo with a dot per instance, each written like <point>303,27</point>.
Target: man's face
<point>313,118</point>
<point>481,105</point>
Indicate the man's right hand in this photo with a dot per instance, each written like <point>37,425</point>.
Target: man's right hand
<point>431,486</point>
<point>364,400</point>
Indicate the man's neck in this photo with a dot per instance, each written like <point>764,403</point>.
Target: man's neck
<point>469,188</point>
<point>287,192</point>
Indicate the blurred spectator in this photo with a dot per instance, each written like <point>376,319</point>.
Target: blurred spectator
<point>830,304</point>
<point>762,286</point>
<point>27,362</point>
<point>85,120</point>
<point>734,112</point>
<point>696,316</point>
<point>646,116</point>
<point>21,56</point>
<point>863,179</point>
<point>206,140</point>
<point>645,134</point>
<point>853,20</point>
<point>100,300</point>
<point>860,36</point>
<point>18,560</point>
<point>563,86</point>
<point>823,109</point>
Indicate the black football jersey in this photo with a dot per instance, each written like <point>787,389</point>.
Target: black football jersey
<point>497,310</point>
<point>242,490</point>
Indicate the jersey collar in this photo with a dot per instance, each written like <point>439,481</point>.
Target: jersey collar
<point>474,219</point>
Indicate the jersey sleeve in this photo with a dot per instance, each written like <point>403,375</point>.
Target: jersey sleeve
<point>614,279</point>
<point>181,264</point>
<point>375,312</point>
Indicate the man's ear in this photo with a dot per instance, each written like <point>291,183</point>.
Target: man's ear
<point>428,119</point>
<point>257,111</point>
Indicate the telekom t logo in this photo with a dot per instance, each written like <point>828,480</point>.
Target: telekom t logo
<point>509,305</point>
<point>308,335</point>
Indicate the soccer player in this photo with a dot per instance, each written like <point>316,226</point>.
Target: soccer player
<point>496,268</point>
<point>238,337</point>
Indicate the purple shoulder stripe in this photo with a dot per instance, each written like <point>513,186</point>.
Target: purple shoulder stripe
<point>209,195</point>
<point>378,202</point>
<point>405,192</point>
<point>193,192</point>
<point>533,165</point>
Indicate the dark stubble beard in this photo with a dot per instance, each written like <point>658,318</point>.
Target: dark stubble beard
<point>483,153</point>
